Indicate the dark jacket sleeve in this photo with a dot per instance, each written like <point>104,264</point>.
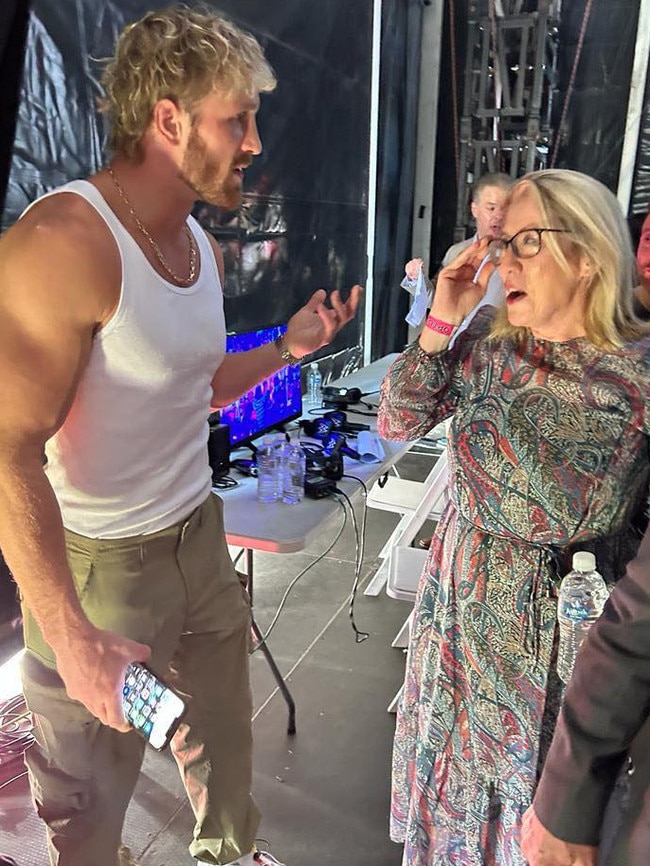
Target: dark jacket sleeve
<point>605,706</point>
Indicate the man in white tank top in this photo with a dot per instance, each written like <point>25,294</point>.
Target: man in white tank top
<point>111,314</point>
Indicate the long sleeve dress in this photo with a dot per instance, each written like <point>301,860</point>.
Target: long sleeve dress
<point>548,453</point>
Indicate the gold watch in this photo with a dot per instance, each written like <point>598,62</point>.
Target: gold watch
<point>285,354</point>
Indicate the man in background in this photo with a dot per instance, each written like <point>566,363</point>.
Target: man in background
<point>488,209</point>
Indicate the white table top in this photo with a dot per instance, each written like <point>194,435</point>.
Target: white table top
<point>282,528</point>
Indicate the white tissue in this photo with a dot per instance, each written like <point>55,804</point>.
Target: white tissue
<point>420,291</point>
<point>369,447</point>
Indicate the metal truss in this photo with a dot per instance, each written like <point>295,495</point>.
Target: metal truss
<point>509,85</point>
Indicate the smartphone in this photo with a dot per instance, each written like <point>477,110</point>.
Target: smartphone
<point>150,706</point>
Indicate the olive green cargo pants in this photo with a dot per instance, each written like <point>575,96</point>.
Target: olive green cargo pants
<point>175,590</point>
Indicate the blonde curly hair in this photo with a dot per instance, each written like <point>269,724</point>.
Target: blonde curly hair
<point>182,54</point>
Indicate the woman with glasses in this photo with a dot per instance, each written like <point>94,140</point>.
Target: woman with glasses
<point>548,453</point>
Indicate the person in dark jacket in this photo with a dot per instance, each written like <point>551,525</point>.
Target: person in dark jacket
<point>592,805</point>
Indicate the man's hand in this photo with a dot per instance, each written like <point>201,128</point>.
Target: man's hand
<point>92,668</point>
<point>412,268</point>
<point>316,325</point>
<point>541,848</point>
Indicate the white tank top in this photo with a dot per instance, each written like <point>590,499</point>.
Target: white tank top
<point>131,457</point>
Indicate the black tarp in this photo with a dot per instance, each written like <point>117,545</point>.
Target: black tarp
<point>303,224</point>
<point>399,81</point>
<point>452,63</point>
<point>592,138</point>
<point>640,204</point>
<point>13,29</point>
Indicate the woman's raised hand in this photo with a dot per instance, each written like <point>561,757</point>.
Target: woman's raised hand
<point>458,287</point>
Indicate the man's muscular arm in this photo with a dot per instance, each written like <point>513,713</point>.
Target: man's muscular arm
<point>58,282</point>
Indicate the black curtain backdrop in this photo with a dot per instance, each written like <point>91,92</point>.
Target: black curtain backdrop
<point>592,138</point>
<point>446,179</point>
<point>640,204</point>
<point>13,28</point>
<point>303,224</point>
<point>14,15</point>
<point>400,70</point>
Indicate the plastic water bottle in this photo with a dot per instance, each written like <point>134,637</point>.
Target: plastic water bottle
<point>582,596</point>
<point>293,473</point>
<point>268,462</point>
<point>314,386</point>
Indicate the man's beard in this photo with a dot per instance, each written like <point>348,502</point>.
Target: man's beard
<point>202,174</point>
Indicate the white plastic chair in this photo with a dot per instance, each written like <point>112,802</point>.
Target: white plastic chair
<point>403,563</point>
<point>416,501</point>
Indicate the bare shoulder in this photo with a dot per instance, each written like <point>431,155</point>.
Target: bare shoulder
<point>62,253</point>
<point>59,282</point>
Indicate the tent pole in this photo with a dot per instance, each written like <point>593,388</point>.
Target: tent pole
<point>372,183</point>
<point>634,108</point>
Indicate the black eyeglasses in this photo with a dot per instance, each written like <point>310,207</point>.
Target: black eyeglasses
<point>525,243</point>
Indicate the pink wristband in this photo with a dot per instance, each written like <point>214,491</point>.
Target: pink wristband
<point>439,326</point>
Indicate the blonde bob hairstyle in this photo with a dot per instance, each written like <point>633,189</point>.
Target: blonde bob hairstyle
<point>598,231</point>
<point>180,54</point>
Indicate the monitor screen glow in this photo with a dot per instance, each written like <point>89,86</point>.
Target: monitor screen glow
<point>271,402</point>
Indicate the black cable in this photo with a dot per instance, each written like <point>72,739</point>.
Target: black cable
<point>300,574</point>
<point>360,540</point>
<point>363,484</point>
<point>225,482</point>
<point>319,411</point>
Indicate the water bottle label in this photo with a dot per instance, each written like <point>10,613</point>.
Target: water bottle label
<point>575,612</point>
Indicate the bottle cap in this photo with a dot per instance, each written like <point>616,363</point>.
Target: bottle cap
<point>584,560</point>
<point>314,365</point>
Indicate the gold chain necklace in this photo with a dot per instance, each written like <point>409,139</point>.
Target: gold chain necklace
<point>183,281</point>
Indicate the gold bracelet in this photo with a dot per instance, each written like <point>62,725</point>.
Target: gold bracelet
<point>285,354</point>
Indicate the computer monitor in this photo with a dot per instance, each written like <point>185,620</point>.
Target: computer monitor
<point>270,403</point>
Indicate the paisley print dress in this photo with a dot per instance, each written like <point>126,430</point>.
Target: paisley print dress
<point>548,453</point>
